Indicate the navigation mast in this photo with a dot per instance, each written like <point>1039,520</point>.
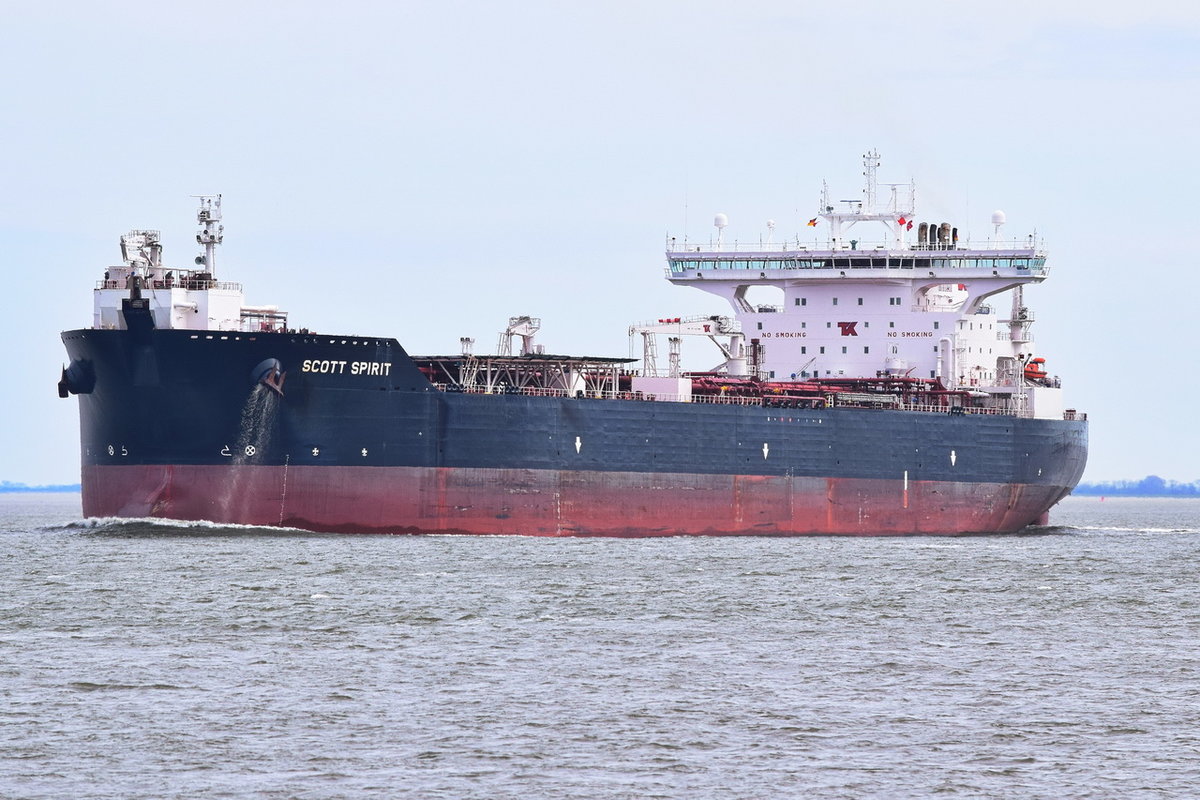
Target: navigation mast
<point>212,231</point>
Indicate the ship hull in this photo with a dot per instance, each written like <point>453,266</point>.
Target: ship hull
<point>556,503</point>
<point>174,426</point>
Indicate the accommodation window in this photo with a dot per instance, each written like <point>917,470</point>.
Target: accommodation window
<point>866,350</point>
<point>803,351</point>
<point>835,301</point>
<point>860,301</point>
<point>822,351</point>
<point>843,351</point>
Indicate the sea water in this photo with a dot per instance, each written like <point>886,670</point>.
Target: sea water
<point>155,660</point>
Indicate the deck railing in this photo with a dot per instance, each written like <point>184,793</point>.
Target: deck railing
<point>832,400</point>
<point>847,245</point>
<point>176,284</point>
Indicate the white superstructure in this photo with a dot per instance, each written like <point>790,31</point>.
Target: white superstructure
<point>191,299</point>
<point>919,303</point>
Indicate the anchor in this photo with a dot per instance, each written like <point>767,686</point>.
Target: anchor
<point>270,374</point>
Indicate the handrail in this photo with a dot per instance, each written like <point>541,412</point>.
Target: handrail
<point>833,400</point>
<point>190,285</point>
<point>791,262</point>
<point>796,246</point>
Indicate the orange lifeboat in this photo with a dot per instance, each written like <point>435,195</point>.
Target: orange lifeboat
<point>1035,370</point>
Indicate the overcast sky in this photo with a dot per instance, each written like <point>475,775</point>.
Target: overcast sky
<point>426,170</point>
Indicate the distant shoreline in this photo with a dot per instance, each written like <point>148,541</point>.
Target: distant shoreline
<point>1118,495</point>
<point>1149,486</point>
<point>20,488</point>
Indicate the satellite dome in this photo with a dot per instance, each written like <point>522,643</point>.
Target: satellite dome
<point>720,220</point>
<point>998,217</point>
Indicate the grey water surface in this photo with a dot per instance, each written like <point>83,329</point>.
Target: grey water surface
<point>144,659</point>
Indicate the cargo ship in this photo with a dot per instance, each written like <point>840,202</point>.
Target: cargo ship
<point>869,388</point>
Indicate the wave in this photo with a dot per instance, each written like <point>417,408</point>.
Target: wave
<point>1118,529</point>
<point>155,526</point>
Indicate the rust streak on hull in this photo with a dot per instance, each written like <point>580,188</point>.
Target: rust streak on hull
<point>556,502</point>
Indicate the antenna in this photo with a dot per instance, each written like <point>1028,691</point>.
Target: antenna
<point>870,164</point>
<point>685,205</point>
<point>770,231</point>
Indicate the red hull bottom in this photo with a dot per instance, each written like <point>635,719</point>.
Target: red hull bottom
<point>554,503</point>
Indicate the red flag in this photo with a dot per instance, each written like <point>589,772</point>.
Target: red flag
<point>812,223</point>
<point>962,287</point>
<point>909,228</point>
<point>902,220</point>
